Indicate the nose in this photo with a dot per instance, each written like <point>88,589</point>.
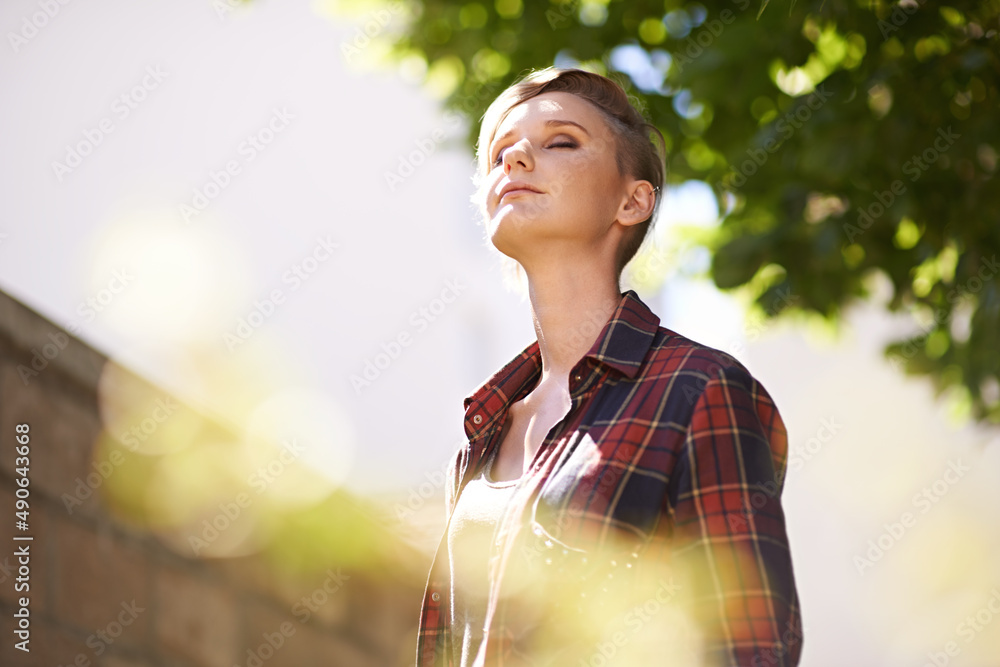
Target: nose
<point>518,154</point>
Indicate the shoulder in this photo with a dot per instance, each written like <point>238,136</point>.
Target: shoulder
<point>673,353</point>
<point>722,394</point>
<point>705,375</point>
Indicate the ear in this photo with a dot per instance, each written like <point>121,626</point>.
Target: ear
<point>639,204</point>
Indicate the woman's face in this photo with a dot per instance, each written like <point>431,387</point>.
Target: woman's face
<point>553,185</point>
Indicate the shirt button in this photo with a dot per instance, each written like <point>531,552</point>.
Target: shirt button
<point>478,419</point>
<point>435,596</point>
<point>578,377</point>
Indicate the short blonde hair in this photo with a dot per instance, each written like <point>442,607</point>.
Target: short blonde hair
<point>640,150</point>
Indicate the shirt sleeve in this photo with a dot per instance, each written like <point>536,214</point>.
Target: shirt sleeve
<point>729,526</point>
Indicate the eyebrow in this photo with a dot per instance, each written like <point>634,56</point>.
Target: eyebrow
<point>554,122</point>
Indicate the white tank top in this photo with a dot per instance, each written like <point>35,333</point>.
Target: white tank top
<point>477,511</point>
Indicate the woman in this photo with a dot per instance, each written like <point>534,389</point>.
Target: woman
<point>618,501</point>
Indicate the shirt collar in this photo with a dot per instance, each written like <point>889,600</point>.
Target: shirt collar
<point>622,344</point>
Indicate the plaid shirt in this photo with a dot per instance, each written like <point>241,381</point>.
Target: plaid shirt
<point>653,505</point>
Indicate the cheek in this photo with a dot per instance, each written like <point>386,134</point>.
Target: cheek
<point>582,175</point>
<point>484,195</point>
<point>601,177</point>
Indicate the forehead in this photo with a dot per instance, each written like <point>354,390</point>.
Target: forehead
<point>553,106</point>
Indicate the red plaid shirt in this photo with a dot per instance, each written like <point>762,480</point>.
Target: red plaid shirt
<point>653,503</point>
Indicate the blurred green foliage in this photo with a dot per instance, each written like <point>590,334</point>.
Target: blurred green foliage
<point>843,140</point>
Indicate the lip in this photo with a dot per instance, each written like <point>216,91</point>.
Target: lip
<point>518,187</point>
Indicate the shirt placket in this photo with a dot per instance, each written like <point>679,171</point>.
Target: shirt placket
<point>509,530</point>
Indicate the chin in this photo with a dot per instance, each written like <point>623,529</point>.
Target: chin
<point>516,217</point>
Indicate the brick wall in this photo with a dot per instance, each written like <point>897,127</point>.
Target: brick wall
<point>107,590</point>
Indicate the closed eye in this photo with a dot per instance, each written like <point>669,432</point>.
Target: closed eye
<point>559,144</point>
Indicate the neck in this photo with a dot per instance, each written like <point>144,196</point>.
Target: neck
<point>569,307</point>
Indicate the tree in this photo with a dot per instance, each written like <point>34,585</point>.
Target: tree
<point>844,140</point>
